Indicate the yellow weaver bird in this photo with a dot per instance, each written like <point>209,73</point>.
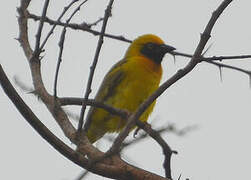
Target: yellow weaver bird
<point>129,82</point>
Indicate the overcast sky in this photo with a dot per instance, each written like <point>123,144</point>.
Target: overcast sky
<point>219,148</point>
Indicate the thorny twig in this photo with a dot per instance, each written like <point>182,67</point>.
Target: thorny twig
<point>84,27</point>
<point>211,60</point>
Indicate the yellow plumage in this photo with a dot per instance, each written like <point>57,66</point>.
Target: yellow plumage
<point>128,84</point>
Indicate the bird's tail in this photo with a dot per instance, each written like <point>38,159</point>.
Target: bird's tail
<point>95,133</point>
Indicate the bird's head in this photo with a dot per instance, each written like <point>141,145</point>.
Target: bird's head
<point>150,46</point>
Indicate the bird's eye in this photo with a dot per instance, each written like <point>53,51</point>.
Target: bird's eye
<point>150,46</point>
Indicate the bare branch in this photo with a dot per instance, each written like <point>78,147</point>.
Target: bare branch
<point>221,65</point>
<point>211,60</point>
<point>84,27</point>
<point>61,48</point>
<point>95,23</point>
<point>221,58</point>
<point>92,68</point>
<point>54,26</point>
<point>214,58</point>
<point>91,102</point>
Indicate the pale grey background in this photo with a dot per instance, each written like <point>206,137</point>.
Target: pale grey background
<point>220,147</point>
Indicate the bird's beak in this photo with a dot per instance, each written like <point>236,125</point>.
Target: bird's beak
<point>167,48</point>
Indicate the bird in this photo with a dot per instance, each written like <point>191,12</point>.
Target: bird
<point>128,83</point>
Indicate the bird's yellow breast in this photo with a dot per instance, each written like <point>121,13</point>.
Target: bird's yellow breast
<point>142,77</point>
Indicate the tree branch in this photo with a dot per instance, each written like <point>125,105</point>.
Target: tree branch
<point>91,102</point>
<point>211,60</point>
<point>83,27</point>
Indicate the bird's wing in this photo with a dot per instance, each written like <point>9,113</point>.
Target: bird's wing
<point>108,86</point>
<point>110,82</point>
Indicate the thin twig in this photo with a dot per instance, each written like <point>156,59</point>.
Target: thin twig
<point>230,67</point>
<point>82,175</point>
<point>58,20</point>
<point>211,60</point>
<point>83,27</point>
<point>95,23</point>
<point>37,49</point>
<point>93,66</point>
<point>91,102</point>
<point>61,45</point>
<point>221,58</point>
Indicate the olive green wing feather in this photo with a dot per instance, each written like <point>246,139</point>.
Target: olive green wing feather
<point>110,82</point>
<point>106,90</point>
